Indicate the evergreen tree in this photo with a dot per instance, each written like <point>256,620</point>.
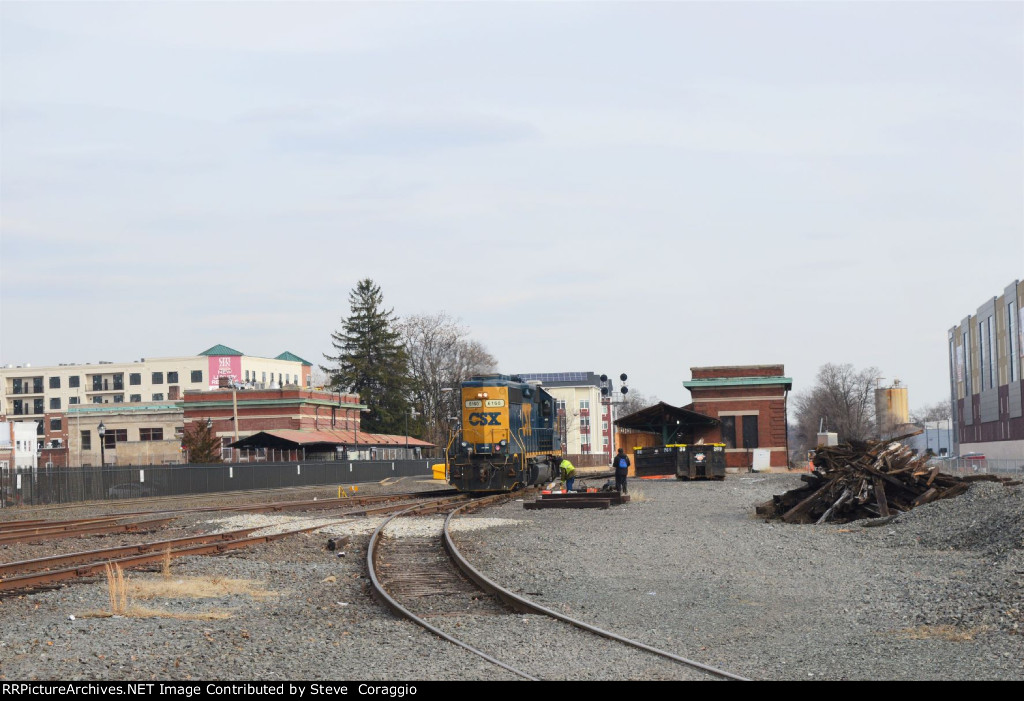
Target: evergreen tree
<point>201,445</point>
<point>371,360</point>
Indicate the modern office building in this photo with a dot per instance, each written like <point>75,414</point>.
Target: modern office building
<point>985,351</point>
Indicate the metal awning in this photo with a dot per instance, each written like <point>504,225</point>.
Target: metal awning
<point>674,424</point>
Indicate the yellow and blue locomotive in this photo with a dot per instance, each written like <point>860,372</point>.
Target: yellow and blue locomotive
<point>509,436</point>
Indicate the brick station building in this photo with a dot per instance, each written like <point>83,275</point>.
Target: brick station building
<point>750,401</point>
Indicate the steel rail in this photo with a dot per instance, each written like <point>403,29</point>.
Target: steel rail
<point>31,581</point>
<point>520,603</point>
<point>44,563</point>
<point>30,536</point>
<point>393,603</point>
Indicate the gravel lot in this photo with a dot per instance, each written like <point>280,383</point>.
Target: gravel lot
<point>686,567</point>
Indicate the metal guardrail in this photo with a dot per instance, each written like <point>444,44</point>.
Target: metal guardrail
<point>66,485</point>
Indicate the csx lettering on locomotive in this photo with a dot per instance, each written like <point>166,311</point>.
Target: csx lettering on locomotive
<point>484,418</point>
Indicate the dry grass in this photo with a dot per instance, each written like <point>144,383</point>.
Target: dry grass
<point>117,589</point>
<point>122,593</point>
<point>197,588</point>
<point>953,634</point>
<point>165,569</point>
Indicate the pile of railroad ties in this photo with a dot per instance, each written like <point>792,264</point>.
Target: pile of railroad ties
<point>551,497</point>
<point>869,480</point>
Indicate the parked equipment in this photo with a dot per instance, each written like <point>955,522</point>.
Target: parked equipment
<point>686,462</point>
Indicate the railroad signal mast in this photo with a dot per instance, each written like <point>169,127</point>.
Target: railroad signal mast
<point>607,399</point>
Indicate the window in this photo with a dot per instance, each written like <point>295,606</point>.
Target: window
<point>37,406</point>
<point>113,436</point>
<point>982,356</point>
<point>728,431</point>
<point>246,375</point>
<point>135,378</point>
<point>151,434</point>
<point>158,378</point>
<point>54,383</point>
<point>1011,311</point>
<point>119,380</point>
<point>97,400</point>
<point>74,381</point>
<point>172,378</point>
<point>560,404</point>
<point>73,400</point>
<point>991,353</point>
<point>750,431</point>
<point>55,424</point>
<point>159,397</point>
<point>584,405</point>
<point>264,380</point>
<point>135,398</point>
<point>86,440</point>
<point>55,402</point>
<point>604,440</point>
<point>37,385</point>
<point>604,425</point>
<point>118,399</point>
<point>967,360</point>
<point>197,375</point>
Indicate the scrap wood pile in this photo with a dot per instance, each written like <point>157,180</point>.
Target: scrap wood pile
<point>866,480</point>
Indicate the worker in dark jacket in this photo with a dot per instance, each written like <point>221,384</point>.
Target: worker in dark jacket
<point>568,473</point>
<point>621,464</point>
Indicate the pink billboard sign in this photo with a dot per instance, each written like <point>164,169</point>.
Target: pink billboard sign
<point>225,366</point>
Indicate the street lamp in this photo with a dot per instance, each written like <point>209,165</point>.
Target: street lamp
<point>101,429</point>
<point>412,411</point>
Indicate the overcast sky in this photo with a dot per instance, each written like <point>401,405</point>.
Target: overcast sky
<point>616,187</point>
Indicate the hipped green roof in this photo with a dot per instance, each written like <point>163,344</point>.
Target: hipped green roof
<point>221,349</point>
<point>288,355</point>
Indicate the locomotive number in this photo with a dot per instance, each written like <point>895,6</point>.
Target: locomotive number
<point>491,403</point>
<point>474,403</point>
<point>484,418</point>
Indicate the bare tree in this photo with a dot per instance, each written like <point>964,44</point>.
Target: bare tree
<point>940,411</point>
<point>441,356</point>
<point>842,401</point>
<point>632,402</point>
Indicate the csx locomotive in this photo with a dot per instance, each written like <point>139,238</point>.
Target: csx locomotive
<point>509,436</point>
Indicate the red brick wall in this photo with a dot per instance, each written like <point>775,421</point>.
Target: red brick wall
<point>723,371</point>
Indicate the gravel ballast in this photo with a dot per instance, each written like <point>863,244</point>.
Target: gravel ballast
<point>685,566</point>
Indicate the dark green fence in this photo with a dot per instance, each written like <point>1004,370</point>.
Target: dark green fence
<point>64,485</point>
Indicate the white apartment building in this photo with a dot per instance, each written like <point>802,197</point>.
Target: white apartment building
<point>46,394</point>
<point>585,411</point>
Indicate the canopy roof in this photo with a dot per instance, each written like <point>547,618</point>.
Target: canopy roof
<point>674,424</point>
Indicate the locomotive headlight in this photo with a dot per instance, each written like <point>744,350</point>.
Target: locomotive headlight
<point>503,443</point>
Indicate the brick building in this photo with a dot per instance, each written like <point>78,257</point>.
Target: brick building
<point>750,401</point>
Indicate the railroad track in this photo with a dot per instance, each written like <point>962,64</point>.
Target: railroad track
<point>410,574</point>
<point>27,576</point>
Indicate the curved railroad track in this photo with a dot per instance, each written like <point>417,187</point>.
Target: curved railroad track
<point>411,575</point>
